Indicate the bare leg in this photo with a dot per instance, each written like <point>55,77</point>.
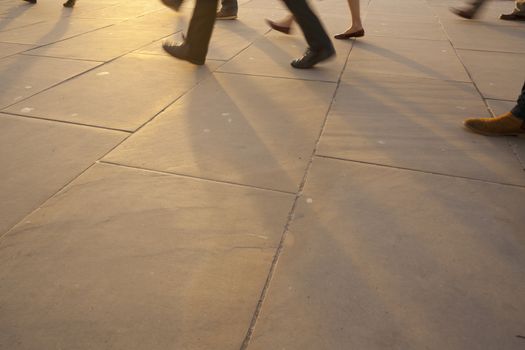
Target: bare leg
<point>356,30</point>
<point>355,11</point>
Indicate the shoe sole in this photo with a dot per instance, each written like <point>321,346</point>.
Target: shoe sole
<point>227,17</point>
<point>518,134</point>
<point>520,18</point>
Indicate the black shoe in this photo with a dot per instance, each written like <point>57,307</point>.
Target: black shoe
<point>463,13</point>
<point>512,17</point>
<point>225,14</point>
<point>278,27</point>
<point>69,3</point>
<point>181,52</point>
<point>344,36</point>
<point>173,4</point>
<point>31,1</point>
<point>311,58</point>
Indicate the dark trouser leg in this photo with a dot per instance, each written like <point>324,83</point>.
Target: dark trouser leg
<point>201,28</point>
<point>519,110</point>
<point>475,5</point>
<point>229,5</point>
<point>312,28</point>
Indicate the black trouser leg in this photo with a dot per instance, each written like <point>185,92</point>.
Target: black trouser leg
<point>312,28</point>
<point>475,5</point>
<point>519,110</point>
<point>201,28</point>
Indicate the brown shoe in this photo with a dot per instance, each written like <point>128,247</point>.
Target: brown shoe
<point>503,125</point>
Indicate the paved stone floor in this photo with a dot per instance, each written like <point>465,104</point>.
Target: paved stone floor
<point>150,204</point>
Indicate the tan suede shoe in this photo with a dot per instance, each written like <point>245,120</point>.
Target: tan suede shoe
<point>505,124</point>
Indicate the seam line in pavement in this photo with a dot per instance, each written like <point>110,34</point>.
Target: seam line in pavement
<point>54,85</point>
<point>26,53</point>
<point>193,177</point>
<point>291,214</point>
<point>69,37</point>
<point>491,51</point>
<point>43,203</point>
<point>102,63</point>
<point>66,122</point>
<point>421,171</point>
<point>276,77</point>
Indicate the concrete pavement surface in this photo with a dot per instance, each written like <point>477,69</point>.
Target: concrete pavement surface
<point>150,204</point>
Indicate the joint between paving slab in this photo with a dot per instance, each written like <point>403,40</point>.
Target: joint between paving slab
<point>57,84</point>
<point>67,122</point>
<point>2,235</point>
<point>421,171</point>
<point>27,53</point>
<point>491,51</point>
<point>98,161</point>
<point>276,77</point>
<point>194,177</point>
<point>291,214</point>
<point>102,63</point>
<point>70,37</point>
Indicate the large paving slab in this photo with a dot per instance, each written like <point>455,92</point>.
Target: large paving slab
<point>388,94</point>
<point>271,56</point>
<point>393,27</point>
<point>104,44</point>
<point>406,57</point>
<point>416,124</point>
<point>123,94</point>
<point>381,258</point>
<point>405,18</point>
<point>40,157</point>
<point>482,35</point>
<point>401,8</point>
<point>22,76</point>
<point>50,31</point>
<point>501,79</point>
<point>126,259</point>
<point>255,131</point>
